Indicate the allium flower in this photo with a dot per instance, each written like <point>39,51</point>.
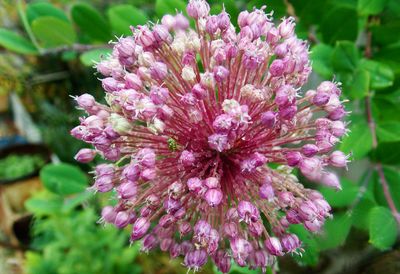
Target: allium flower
<point>202,129</point>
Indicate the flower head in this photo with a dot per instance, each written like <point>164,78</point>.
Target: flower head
<point>193,120</point>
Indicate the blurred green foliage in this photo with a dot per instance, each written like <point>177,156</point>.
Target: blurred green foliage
<point>355,42</point>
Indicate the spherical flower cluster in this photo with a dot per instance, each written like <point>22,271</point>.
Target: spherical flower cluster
<point>202,130</point>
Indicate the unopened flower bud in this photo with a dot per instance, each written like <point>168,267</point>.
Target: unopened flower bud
<point>85,155</point>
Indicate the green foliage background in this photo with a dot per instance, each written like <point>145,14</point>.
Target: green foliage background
<point>48,48</point>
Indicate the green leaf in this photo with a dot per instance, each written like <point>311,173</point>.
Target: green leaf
<point>388,131</point>
<point>36,10</point>
<point>311,248</point>
<point>360,213</point>
<point>341,198</point>
<point>392,177</point>
<point>383,34</point>
<point>353,144</point>
<point>278,6</point>
<point>382,75</point>
<point>63,179</point>
<point>41,206</point>
<point>390,56</point>
<point>332,31</point>
<point>73,202</point>
<point>14,42</point>
<point>359,87</point>
<point>382,228</point>
<point>90,57</point>
<point>232,9</point>
<point>123,16</point>
<point>52,32</point>
<point>370,7</point>
<point>321,55</point>
<point>335,231</point>
<point>235,269</point>
<point>169,7</point>
<point>386,108</point>
<point>388,153</point>
<point>91,22</point>
<point>345,56</point>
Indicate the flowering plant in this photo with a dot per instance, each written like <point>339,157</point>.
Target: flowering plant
<point>203,129</point>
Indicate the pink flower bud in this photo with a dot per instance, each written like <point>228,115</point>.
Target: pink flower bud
<point>165,244</point>
<point>131,172</point>
<point>256,229</point>
<point>161,34</point>
<point>321,99</point>
<point>184,228</point>
<point>199,92</point>
<point>311,168</point>
<point>158,71</point>
<point>338,159</point>
<point>166,220</point>
<point>231,230</point>
<point>293,158</point>
<point>133,81</point>
<point>108,214</point>
<point>194,184</point>
<point>267,192</point>
<point>181,22</point>
<point>85,101</point>
<point>243,18</point>
<point>213,197</point>
<point>274,246</point>
<point>212,182</point>
<point>110,84</point>
<point>223,261</point>
<point>338,128</point>
<point>175,250</point>
<point>248,212</point>
<point>148,174</point>
<point>268,119</point>
<point>307,211</point>
<point>149,242</point>
<point>331,180</point>
<point>286,28</point>
<point>277,68</point>
<point>329,88</point>
<point>286,199</point>
<point>140,228</point>
<point>144,37</point>
<point>220,73</point>
<point>127,190</point>
<point>168,21</point>
<point>85,155</point>
<point>212,24</point>
<point>122,219</point>
<point>104,183</point>
<point>290,242</point>
<point>187,158</point>
<point>198,9</point>
<point>337,114</point>
<point>223,20</point>
<point>293,217</point>
<point>219,142</point>
<point>195,259</point>
<point>240,249</point>
<point>313,225</point>
<point>281,50</point>
<point>159,95</point>
<point>309,150</point>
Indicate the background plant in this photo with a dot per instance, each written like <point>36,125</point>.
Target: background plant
<point>354,41</point>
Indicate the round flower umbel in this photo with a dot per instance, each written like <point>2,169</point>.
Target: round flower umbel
<point>195,119</point>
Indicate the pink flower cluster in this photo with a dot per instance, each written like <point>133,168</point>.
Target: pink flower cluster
<point>203,128</point>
